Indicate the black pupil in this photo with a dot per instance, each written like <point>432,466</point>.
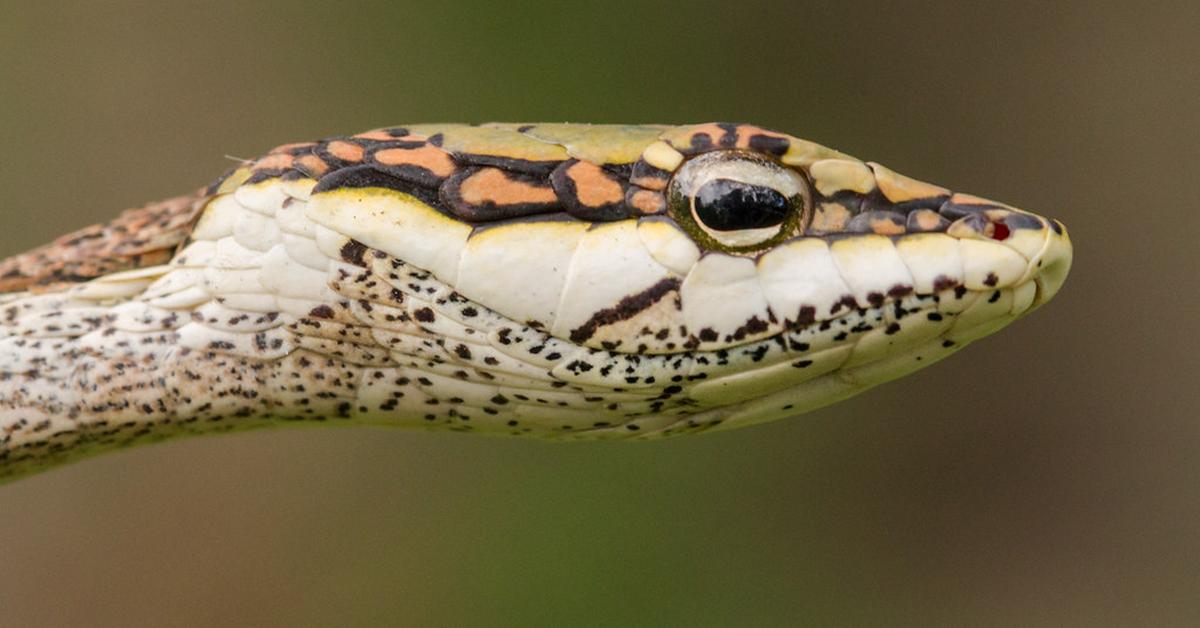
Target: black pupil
<point>726,205</point>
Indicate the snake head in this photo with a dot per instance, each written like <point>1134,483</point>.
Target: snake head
<point>718,275</point>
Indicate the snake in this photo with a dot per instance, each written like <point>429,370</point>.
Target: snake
<point>561,281</point>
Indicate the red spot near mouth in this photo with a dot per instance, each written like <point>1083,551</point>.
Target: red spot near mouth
<point>1000,231</point>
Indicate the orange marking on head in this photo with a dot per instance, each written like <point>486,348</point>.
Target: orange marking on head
<point>594,187</point>
<point>650,183</point>
<point>883,226</point>
<point>345,151</point>
<point>830,218</point>
<point>926,219</point>
<point>647,202</point>
<point>428,157</point>
<point>274,161</point>
<point>313,165</point>
<point>492,185</point>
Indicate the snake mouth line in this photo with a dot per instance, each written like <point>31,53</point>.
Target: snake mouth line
<point>822,375</point>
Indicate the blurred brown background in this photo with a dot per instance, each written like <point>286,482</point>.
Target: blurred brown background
<point>1048,476</point>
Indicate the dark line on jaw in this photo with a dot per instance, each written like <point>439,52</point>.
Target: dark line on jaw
<point>625,309</point>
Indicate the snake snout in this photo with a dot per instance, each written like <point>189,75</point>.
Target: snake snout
<point>1053,263</point>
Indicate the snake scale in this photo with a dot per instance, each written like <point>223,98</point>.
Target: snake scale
<point>555,280</point>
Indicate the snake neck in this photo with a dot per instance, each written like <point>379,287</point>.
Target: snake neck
<point>72,385</point>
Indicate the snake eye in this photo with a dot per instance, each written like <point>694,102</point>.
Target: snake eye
<point>738,201</point>
<point>728,205</point>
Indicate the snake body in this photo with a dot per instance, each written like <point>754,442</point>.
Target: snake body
<point>554,280</point>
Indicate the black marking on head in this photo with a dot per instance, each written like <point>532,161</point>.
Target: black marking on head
<point>729,138</point>
<point>648,176</point>
<point>509,164</point>
<point>806,316</point>
<point>353,251</point>
<point>977,222</point>
<point>1021,220</point>
<point>411,173</point>
<point>942,282</point>
<point>849,199</point>
<point>777,146</point>
<point>753,326</point>
<point>361,177</point>
<point>702,142</point>
<point>216,185</point>
<point>875,200</point>
<point>265,175</point>
<point>622,171</point>
<point>954,211</point>
<point>625,309</point>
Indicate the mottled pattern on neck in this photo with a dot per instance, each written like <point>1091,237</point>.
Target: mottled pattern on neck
<point>140,237</point>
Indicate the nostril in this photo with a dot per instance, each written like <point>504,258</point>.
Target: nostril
<point>1000,231</point>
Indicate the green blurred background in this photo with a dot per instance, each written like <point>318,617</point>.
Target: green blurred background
<point>1048,476</point>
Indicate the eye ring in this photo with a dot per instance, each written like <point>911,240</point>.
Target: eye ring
<point>738,201</point>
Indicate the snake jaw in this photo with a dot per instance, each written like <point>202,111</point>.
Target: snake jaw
<point>900,333</point>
